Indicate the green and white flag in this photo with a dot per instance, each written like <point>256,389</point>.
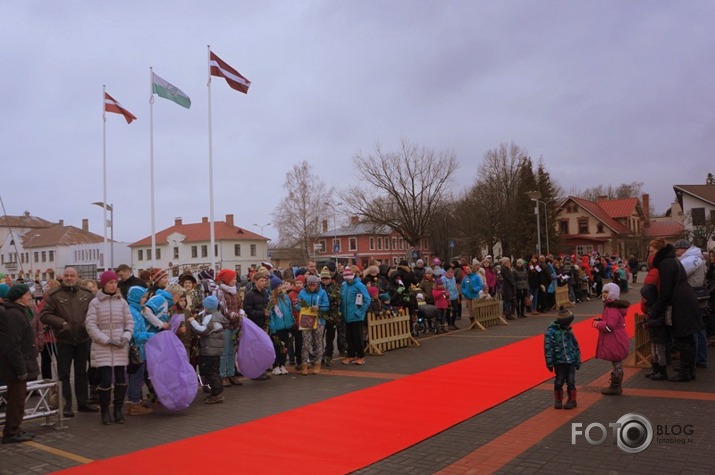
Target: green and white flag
<point>168,91</point>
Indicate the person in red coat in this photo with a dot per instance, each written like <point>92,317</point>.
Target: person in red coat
<point>612,342</point>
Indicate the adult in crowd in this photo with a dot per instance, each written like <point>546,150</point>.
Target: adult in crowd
<point>110,326</point>
<point>508,288</point>
<point>334,322</point>
<point>676,307</point>
<point>696,269</point>
<point>521,284</point>
<point>633,265</point>
<point>534,283</point>
<point>65,311</point>
<point>127,280</point>
<point>49,350</point>
<point>18,359</point>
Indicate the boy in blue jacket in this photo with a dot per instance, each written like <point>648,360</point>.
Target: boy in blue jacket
<point>354,304</point>
<point>563,356</point>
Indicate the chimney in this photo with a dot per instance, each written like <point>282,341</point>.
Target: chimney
<point>61,222</point>
<point>325,225</point>
<point>229,219</point>
<point>354,220</point>
<point>177,221</point>
<point>85,225</point>
<point>645,202</point>
<point>204,219</point>
<point>602,198</point>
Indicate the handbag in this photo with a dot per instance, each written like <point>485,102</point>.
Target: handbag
<point>527,301</point>
<point>134,355</point>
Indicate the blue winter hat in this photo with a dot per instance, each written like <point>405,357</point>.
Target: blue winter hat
<point>4,289</point>
<point>210,303</point>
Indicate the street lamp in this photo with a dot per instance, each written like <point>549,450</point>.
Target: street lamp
<point>535,195</point>
<point>262,226</point>
<point>335,229</point>
<point>108,207</point>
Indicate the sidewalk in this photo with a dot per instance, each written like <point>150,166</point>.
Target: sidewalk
<point>521,435</point>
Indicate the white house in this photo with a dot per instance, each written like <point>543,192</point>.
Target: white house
<point>698,205</point>
<point>185,246</point>
<point>41,253</point>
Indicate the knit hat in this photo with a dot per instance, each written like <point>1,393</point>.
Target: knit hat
<point>210,303</point>
<point>226,275</point>
<point>404,262</point>
<point>436,262</point>
<point>157,275</point>
<point>275,283</point>
<point>17,291</point>
<point>419,263</point>
<point>187,276</point>
<point>325,273</point>
<point>4,289</point>
<point>206,274</point>
<point>565,317</point>
<point>348,273</point>
<point>681,244</point>
<point>420,297</point>
<point>300,278</point>
<point>438,281</point>
<point>614,292</point>
<point>312,279</point>
<point>106,277</point>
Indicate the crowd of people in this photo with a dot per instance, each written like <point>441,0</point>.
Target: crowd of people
<point>98,330</point>
<point>677,299</point>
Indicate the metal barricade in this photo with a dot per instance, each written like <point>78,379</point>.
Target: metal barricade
<point>38,403</point>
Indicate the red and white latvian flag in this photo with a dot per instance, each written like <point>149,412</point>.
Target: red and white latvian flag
<point>232,77</point>
<point>111,105</point>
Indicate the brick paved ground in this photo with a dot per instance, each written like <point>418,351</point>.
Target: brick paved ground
<point>521,435</point>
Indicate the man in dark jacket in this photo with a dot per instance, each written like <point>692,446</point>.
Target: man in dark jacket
<point>127,280</point>
<point>255,304</point>
<point>65,311</point>
<point>676,296</point>
<point>18,359</point>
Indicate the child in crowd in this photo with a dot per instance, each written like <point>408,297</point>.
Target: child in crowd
<point>280,324</point>
<point>441,301</point>
<point>563,357</point>
<point>211,343</point>
<point>612,340</point>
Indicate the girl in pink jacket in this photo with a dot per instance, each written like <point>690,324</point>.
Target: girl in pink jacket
<point>612,340</point>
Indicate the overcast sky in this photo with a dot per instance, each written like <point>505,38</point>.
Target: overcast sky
<point>605,92</point>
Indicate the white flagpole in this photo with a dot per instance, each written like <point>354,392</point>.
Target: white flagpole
<point>104,170</point>
<point>151,164</point>
<point>211,174</point>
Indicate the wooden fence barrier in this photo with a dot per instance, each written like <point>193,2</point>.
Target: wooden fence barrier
<point>641,356</point>
<point>389,332</point>
<point>562,296</point>
<point>485,313</point>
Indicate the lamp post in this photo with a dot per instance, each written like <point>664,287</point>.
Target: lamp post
<point>108,207</point>
<point>262,226</point>
<point>535,195</point>
<point>335,229</point>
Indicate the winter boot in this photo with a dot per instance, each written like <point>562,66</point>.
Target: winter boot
<point>653,370</point>
<point>661,375</point>
<point>615,388</point>
<point>120,391</point>
<point>316,368</point>
<point>571,403</point>
<point>558,398</point>
<point>304,369</point>
<point>104,395</point>
<point>683,375</point>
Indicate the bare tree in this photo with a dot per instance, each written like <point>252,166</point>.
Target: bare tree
<point>298,217</point>
<point>624,190</point>
<point>403,188</point>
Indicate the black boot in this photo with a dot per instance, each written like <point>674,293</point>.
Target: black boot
<point>661,375</point>
<point>120,391</point>
<point>653,370</point>
<point>104,396</point>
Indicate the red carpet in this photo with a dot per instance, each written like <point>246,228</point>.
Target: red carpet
<point>378,421</point>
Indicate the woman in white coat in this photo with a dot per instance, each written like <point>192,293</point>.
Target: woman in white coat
<point>110,324</point>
